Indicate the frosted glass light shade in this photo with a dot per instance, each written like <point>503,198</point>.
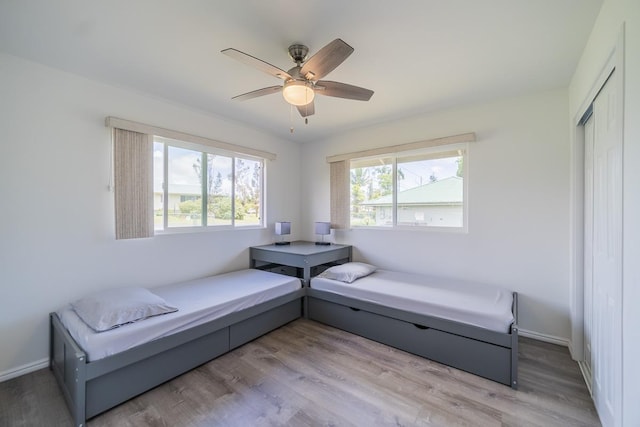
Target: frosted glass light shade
<point>283,228</point>
<point>323,228</point>
<point>298,93</point>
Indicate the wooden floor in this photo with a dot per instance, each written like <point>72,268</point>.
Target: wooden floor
<point>308,374</point>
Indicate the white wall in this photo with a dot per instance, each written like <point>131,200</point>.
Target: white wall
<point>612,17</point>
<point>56,220</point>
<point>518,203</point>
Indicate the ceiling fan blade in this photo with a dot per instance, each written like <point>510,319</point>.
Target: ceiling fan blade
<point>260,92</point>
<point>257,63</point>
<point>342,90</point>
<point>326,60</point>
<point>307,110</point>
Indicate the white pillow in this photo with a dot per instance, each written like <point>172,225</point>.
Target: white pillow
<point>348,272</point>
<point>115,307</point>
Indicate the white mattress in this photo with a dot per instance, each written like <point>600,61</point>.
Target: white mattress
<point>198,301</point>
<point>472,303</point>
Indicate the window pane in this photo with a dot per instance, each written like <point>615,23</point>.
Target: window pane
<point>219,184</point>
<point>248,192</point>
<point>430,190</point>
<point>185,188</point>
<point>371,190</point>
<point>201,185</point>
<point>158,188</point>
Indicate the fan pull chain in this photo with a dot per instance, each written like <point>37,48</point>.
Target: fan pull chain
<point>291,118</point>
<point>306,108</point>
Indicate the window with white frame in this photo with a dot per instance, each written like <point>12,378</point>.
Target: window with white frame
<point>165,180</point>
<point>197,186</point>
<point>420,188</point>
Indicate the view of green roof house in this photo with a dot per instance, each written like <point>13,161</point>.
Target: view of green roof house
<point>437,204</point>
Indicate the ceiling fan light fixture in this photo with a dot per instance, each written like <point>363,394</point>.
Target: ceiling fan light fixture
<point>298,93</point>
<point>302,81</point>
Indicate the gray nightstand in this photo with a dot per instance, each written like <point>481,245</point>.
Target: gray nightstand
<point>299,259</point>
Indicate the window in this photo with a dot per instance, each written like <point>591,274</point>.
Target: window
<point>199,186</point>
<point>169,180</point>
<point>424,188</point>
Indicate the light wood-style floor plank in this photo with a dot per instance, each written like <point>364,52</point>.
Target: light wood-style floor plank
<point>308,374</point>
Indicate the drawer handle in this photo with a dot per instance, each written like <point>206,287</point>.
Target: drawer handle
<point>354,309</point>
<point>420,326</point>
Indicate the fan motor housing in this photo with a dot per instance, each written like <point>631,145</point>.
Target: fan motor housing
<point>295,73</point>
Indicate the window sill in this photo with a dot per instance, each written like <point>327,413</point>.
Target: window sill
<point>212,229</point>
<point>454,230</point>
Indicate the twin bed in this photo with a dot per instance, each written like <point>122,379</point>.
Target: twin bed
<point>466,325</point>
<point>469,327</point>
<point>99,370</point>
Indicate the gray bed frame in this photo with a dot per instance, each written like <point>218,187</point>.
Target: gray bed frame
<point>489,354</point>
<point>91,388</point>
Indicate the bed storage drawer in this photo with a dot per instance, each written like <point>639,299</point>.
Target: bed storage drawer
<point>481,358</point>
<point>133,379</point>
<point>253,327</point>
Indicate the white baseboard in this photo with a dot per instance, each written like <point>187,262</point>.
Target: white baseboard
<point>586,375</point>
<point>24,369</point>
<point>544,337</point>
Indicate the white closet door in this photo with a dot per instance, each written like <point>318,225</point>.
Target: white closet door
<point>607,255</point>
<point>588,246</point>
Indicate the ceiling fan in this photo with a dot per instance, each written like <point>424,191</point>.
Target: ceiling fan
<point>302,82</point>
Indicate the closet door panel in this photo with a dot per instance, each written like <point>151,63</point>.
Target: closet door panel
<point>588,245</point>
<point>607,255</point>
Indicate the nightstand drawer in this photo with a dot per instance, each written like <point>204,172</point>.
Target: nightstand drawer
<point>285,269</point>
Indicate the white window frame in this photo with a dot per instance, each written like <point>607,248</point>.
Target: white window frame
<point>464,147</point>
<point>132,219</point>
<point>206,149</point>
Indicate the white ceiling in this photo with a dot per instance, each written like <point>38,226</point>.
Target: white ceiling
<point>417,55</point>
